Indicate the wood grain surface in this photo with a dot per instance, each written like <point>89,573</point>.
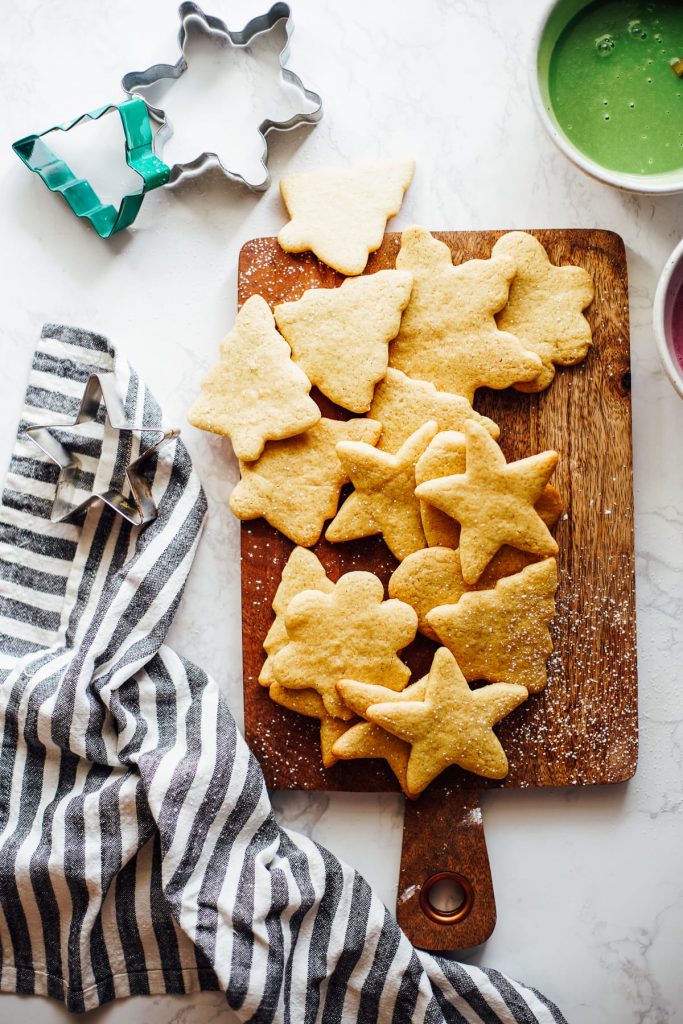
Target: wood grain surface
<point>583,728</point>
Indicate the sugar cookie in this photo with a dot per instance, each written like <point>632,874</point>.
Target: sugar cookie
<point>494,502</point>
<point>384,497</point>
<point>350,633</point>
<point>544,307</point>
<point>402,405</point>
<point>255,393</point>
<point>295,484</point>
<point>426,579</point>
<point>444,456</point>
<point>433,577</point>
<point>502,634</point>
<point>368,740</point>
<point>451,725</point>
<point>340,336</point>
<point>448,333</point>
<point>310,704</point>
<point>341,214</point>
<point>303,571</point>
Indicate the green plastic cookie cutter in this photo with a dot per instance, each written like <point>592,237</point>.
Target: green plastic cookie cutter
<point>78,192</point>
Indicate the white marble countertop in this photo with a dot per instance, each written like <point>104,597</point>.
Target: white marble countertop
<point>588,882</point>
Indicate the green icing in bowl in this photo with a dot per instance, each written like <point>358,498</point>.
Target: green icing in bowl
<point>612,87</point>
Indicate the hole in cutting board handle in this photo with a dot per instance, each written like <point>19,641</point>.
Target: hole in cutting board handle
<point>441,889</point>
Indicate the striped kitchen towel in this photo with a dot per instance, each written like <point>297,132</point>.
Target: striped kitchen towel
<point>138,849</point>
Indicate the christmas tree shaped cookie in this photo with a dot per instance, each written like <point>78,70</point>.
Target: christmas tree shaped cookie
<point>545,306</point>
<point>295,484</point>
<point>451,725</point>
<point>494,502</point>
<point>448,334</point>
<point>340,336</point>
<point>340,215</point>
<point>502,634</point>
<point>255,393</point>
<point>350,633</point>
<point>384,497</point>
<point>402,405</point>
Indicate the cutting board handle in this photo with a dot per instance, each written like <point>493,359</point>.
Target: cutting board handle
<point>443,838</point>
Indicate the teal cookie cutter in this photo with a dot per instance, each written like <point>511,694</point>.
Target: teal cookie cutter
<point>78,192</point>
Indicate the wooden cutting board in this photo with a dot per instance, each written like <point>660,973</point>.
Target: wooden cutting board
<point>582,729</point>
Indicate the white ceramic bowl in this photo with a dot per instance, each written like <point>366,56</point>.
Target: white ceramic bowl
<point>669,285</point>
<point>556,18</point>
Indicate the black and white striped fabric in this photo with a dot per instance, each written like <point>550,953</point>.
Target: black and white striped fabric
<point>138,850</point>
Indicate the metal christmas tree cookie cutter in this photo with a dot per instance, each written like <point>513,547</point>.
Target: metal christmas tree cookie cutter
<point>78,192</point>
<point>140,508</point>
<point>260,25</point>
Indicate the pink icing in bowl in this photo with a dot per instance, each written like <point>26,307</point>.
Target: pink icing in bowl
<point>677,327</point>
<point>668,318</point>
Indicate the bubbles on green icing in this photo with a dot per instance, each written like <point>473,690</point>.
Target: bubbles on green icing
<point>604,45</point>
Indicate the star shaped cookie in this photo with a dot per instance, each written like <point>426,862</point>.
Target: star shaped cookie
<point>545,306</point>
<point>350,633</point>
<point>340,336</point>
<point>255,393</point>
<point>502,634</point>
<point>367,740</point>
<point>448,333</point>
<point>494,502</point>
<point>452,725</point>
<point>402,405</point>
<point>445,456</point>
<point>303,571</point>
<point>433,577</point>
<point>310,704</point>
<point>384,497</point>
<point>295,484</point>
<point>341,214</point>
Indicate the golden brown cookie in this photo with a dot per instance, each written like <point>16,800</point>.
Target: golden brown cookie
<point>433,577</point>
<point>494,502</point>
<point>310,704</point>
<point>451,725</point>
<point>545,306</point>
<point>502,634</point>
<point>402,405</point>
<point>295,484</point>
<point>367,740</point>
<point>340,214</point>
<point>340,336</point>
<point>444,456</point>
<point>448,334</point>
<point>350,633</point>
<point>303,571</point>
<point>255,393</point>
<point>384,497</point>
<point>426,579</point>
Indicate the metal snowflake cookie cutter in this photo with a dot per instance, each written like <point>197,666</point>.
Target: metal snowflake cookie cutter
<point>78,192</point>
<point>239,39</point>
<point>140,509</point>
